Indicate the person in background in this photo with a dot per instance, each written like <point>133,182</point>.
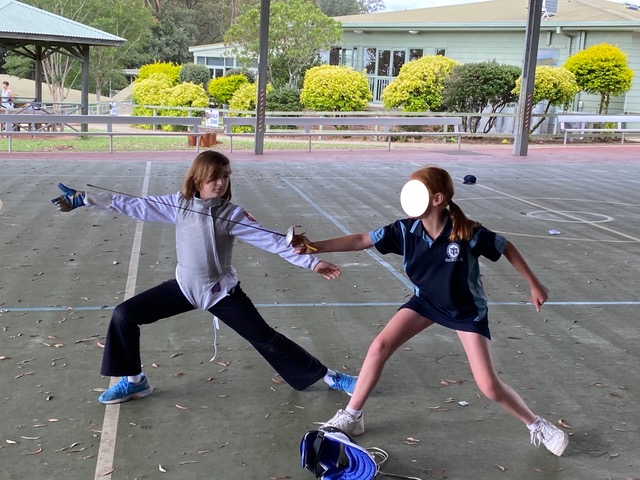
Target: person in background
<point>6,98</point>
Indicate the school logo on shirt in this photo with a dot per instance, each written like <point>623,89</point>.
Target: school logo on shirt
<point>248,215</point>
<point>453,250</point>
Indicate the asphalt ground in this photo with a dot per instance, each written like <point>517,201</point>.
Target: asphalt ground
<point>575,363</point>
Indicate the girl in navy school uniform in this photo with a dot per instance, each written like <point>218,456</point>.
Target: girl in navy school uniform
<point>441,248</point>
<point>206,225</point>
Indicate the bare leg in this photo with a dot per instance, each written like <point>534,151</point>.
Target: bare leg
<point>404,325</point>
<point>477,349</point>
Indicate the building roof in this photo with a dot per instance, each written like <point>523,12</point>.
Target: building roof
<point>23,24</point>
<point>497,13</point>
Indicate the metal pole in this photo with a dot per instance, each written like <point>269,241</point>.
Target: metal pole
<point>84,94</point>
<point>525,103</point>
<point>261,100</point>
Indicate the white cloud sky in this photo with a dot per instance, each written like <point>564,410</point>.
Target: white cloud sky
<point>393,5</point>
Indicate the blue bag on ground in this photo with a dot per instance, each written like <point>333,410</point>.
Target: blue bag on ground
<point>331,454</point>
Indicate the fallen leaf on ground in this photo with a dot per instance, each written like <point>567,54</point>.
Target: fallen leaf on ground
<point>564,424</point>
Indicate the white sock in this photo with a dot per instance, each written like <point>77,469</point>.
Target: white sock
<point>534,424</point>
<point>327,378</point>
<point>355,413</point>
<point>136,378</point>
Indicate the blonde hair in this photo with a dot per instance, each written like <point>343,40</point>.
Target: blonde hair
<point>438,180</point>
<point>207,165</point>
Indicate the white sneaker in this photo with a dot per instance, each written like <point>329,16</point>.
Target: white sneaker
<point>347,423</point>
<point>550,436</point>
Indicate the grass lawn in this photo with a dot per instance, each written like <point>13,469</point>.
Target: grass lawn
<point>161,143</point>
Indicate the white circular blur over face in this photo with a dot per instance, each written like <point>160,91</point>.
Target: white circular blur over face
<point>414,198</point>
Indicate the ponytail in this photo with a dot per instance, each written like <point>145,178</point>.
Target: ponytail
<point>462,225</point>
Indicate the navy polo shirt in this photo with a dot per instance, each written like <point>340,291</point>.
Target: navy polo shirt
<point>446,275</point>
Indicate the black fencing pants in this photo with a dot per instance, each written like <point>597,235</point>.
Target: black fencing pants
<point>121,356</point>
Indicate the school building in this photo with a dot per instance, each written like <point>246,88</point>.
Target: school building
<point>379,44</point>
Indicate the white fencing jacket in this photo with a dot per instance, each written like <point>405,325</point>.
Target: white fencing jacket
<point>204,239</point>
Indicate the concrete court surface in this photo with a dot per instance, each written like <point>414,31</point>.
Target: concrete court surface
<point>575,363</point>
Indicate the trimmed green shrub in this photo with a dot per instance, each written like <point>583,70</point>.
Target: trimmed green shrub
<point>284,100</point>
<point>195,73</point>
<point>221,89</point>
<point>168,69</point>
<point>601,70</point>
<point>184,95</point>
<point>418,87</point>
<point>241,71</point>
<point>245,99</point>
<point>330,88</point>
<point>151,91</point>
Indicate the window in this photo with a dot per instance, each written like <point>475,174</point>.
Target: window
<point>415,53</point>
<point>384,61</point>
<point>441,51</point>
<point>370,61</point>
<point>399,59</point>
<point>215,61</point>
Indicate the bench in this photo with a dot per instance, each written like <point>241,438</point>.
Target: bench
<point>38,124</point>
<point>581,124</point>
<point>312,126</point>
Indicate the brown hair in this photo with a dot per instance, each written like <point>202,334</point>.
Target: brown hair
<point>206,166</point>
<point>438,180</point>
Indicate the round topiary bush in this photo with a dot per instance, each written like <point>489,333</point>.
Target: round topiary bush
<point>330,88</point>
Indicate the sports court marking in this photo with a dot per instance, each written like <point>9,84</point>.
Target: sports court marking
<point>564,214</point>
<point>106,450</point>
<point>336,305</point>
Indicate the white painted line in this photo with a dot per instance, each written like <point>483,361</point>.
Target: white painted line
<point>563,213</point>
<point>602,303</point>
<point>107,449</point>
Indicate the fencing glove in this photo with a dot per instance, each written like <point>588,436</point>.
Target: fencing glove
<point>69,200</point>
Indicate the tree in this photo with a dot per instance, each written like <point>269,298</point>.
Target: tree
<point>338,8</point>
<point>298,31</point>
<point>173,34</point>
<point>480,87</point>
<point>555,85</point>
<point>330,88</point>
<point>601,70</point>
<point>418,86</point>
<point>123,18</point>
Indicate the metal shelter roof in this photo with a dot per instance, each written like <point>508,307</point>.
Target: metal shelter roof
<point>36,34</point>
<point>23,24</point>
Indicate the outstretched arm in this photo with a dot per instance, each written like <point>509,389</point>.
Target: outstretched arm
<point>539,293</point>
<point>347,243</point>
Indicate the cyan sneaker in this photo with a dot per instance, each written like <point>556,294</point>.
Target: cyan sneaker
<point>550,436</point>
<point>347,423</point>
<point>125,390</point>
<point>344,382</point>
